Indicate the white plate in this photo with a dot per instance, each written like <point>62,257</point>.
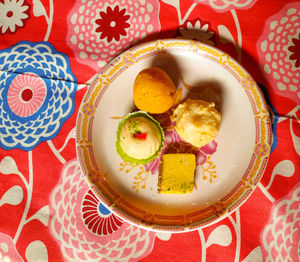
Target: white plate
<point>227,177</point>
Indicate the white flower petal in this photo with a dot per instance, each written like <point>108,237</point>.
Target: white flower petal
<point>12,27</point>
<point>19,22</point>
<point>189,25</point>
<point>23,16</point>
<point>205,27</point>
<point>24,8</point>
<point>4,28</point>
<point>17,8</point>
<point>197,25</point>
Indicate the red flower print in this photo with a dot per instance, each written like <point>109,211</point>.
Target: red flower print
<point>295,49</point>
<point>85,229</point>
<point>112,23</point>
<point>97,218</point>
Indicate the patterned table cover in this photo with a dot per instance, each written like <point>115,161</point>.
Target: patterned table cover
<point>51,50</point>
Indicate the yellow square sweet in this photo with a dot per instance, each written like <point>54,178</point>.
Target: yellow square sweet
<point>177,174</point>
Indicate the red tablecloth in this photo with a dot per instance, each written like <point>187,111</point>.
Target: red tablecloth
<point>50,50</point>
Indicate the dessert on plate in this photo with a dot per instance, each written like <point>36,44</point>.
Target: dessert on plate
<point>177,174</point>
<point>197,121</point>
<point>154,91</point>
<point>139,138</point>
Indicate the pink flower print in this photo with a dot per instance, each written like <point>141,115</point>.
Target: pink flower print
<point>209,148</point>
<point>226,5</point>
<point>26,94</point>
<point>112,23</point>
<point>281,237</point>
<point>99,30</point>
<point>174,144</point>
<point>8,251</point>
<point>200,158</point>
<point>153,166</point>
<point>86,230</point>
<point>278,49</point>
<point>171,136</point>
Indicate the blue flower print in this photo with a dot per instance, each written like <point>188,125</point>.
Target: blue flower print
<point>37,93</point>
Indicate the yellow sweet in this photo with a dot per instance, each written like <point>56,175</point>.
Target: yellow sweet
<point>177,174</point>
<point>154,91</point>
<point>197,121</point>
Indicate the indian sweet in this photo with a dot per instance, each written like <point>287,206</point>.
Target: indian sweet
<point>154,91</point>
<point>177,174</point>
<point>197,121</point>
<point>139,138</point>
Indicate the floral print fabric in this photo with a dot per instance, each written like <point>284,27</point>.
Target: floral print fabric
<point>279,51</point>
<point>13,15</point>
<point>50,51</point>
<point>37,92</point>
<point>101,29</point>
<point>92,231</point>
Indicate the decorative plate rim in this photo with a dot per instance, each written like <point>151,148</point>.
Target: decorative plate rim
<point>191,221</point>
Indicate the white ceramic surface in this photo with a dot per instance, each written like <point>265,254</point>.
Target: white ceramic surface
<point>243,142</point>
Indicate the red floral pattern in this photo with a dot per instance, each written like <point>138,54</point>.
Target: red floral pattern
<point>295,50</point>
<point>112,23</point>
<point>91,33</point>
<point>98,218</point>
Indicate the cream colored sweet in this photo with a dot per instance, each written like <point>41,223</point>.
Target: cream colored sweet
<point>140,137</point>
<point>197,121</point>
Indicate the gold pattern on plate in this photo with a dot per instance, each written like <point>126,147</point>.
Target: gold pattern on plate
<point>127,166</point>
<point>262,148</point>
<point>209,170</point>
<point>140,179</point>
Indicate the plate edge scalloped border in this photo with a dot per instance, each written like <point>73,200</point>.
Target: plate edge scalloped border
<point>195,220</point>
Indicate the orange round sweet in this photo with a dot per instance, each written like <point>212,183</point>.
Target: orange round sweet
<point>154,91</point>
